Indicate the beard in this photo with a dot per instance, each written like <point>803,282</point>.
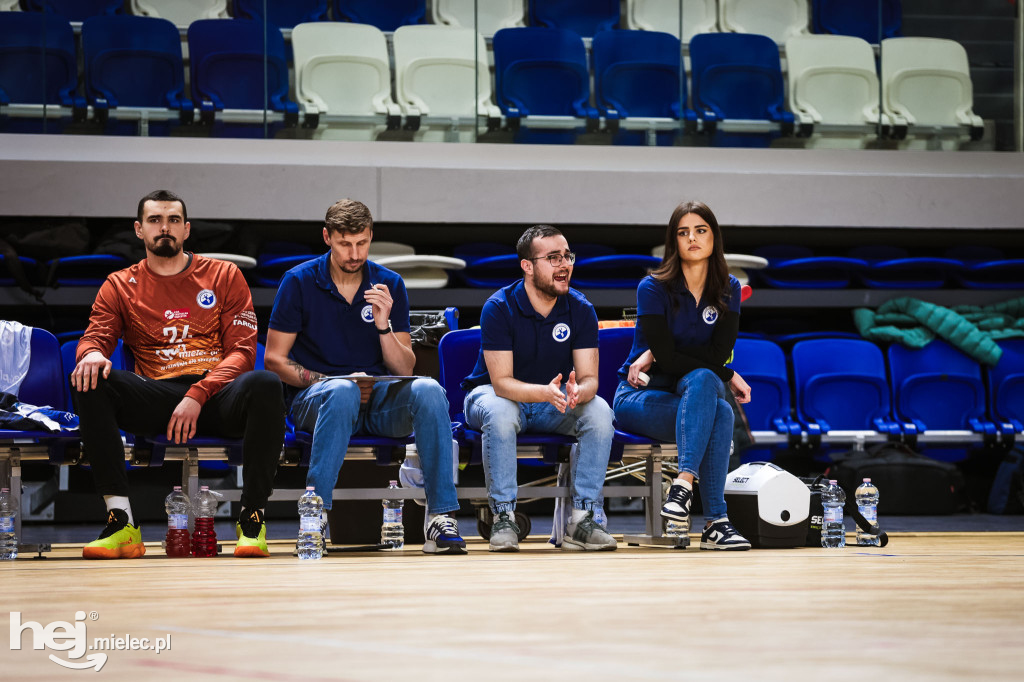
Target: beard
<point>549,286</point>
<point>165,247</point>
<point>350,268</point>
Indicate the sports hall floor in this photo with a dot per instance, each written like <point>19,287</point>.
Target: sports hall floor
<point>944,600</point>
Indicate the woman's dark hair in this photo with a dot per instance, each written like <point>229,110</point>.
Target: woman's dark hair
<point>716,287</point>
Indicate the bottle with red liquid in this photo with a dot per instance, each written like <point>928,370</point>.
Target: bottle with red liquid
<point>204,537</point>
<point>177,542</point>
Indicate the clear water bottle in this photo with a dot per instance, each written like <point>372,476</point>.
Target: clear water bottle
<point>177,542</point>
<point>310,544</point>
<point>867,504</point>
<point>392,532</point>
<point>833,532</point>
<point>674,529</point>
<point>204,537</point>
<point>8,539</point>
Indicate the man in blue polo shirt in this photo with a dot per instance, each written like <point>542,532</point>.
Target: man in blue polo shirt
<point>537,371</point>
<point>341,314</point>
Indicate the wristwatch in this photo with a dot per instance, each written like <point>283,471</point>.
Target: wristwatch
<point>383,332</point>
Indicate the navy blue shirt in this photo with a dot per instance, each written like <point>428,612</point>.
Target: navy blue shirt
<point>335,336</point>
<point>541,346</point>
<point>691,324</point>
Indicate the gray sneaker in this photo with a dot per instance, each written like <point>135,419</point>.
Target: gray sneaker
<point>504,534</point>
<point>587,534</point>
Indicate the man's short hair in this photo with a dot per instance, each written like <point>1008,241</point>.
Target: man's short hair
<point>348,216</point>
<point>525,246</point>
<point>162,195</point>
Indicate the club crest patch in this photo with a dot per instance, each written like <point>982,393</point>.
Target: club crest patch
<point>561,332</point>
<point>206,299</point>
<point>710,315</point>
<point>367,313</point>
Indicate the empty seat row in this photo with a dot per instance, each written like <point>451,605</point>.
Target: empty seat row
<point>779,19</point>
<point>345,70</point>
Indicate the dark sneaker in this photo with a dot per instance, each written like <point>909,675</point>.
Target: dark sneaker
<point>251,532</point>
<point>721,535</point>
<point>442,536</point>
<point>587,534</point>
<point>677,506</point>
<point>504,534</point>
<point>119,540</point>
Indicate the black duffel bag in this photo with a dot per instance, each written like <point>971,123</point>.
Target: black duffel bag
<point>908,482</point>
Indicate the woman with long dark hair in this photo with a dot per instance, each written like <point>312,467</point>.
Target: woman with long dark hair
<point>672,386</point>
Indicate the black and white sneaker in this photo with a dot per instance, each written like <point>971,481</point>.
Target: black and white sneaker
<point>442,536</point>
<point>721,535</point>
<point>677,506</point>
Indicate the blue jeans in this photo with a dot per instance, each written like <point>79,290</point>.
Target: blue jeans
<point>697,416</point>
<point>500,419</point>
<point>331,410</point>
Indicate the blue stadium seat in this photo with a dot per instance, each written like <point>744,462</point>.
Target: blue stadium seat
<point>134,62</point>
<point>938,388</point>
<point>738,76</point>
<point>615,344</point>
<point>762,365</point>
<point>283,13</point>
<point>76,10</point>
<point>542,72</point>
<point>841,384</point>
<point>29,266</point>
<point>228,65</point>
<point>796,267</point>
<point>859,18</point>
<point>892,267</point>
<point>387,16</point>
<point>638,74</point>
<point>620,271</point>
<point>582,17</point>
<point>1006,387</point>
<point>458,352</point>
<point>270,269</point>
<point>986,267</point>
<point>488,265</point>
<point>83,271</point>
<point>38,62</point>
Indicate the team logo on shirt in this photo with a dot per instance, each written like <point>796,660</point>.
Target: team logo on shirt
<point>561,332</point>
<point>176,314</point>
<point>206,299</point>
<point>367,313</point>
<point>710,315</point>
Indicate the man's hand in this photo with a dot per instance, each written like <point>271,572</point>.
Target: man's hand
<point>553,394</point>
<point>572,391</point>
<point>183,420</point>
<point>365,387</point>
<point>641,364</point>
<point>88,371</point>
<point>739,388</point>
<point>380,298</point>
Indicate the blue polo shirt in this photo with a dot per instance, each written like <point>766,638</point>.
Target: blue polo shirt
<point>541,346</point>
<point>335,336</point>
<point>691,324</point>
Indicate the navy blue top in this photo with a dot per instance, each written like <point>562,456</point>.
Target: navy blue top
<point>335,336</point>
<point>541,346</point>
<point>691,323</point>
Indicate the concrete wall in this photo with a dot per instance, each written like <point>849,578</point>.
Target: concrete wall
<point>494,184</point>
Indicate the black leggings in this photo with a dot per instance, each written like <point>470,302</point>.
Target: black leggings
<point>251,408</point>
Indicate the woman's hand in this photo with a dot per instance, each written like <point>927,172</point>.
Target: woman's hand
<point>739,388</point>
<point>641,364</point>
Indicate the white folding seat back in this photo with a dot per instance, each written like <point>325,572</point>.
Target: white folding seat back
<point>492,15</point>
<point>10,6</point>
<point>343,69</point>
<point>699,16</point>
<point>777,19</point>
<point>927,81</point>
<point>181,12</point>
<point>832,79</point>
<point>379,249</point>
<point>440,72</point>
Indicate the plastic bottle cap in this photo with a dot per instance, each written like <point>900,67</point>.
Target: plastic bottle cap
<point>309,487</point>
<point>392,482</point>
<point>867,480</point>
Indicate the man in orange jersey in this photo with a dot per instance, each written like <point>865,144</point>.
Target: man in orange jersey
<point>189,324</point>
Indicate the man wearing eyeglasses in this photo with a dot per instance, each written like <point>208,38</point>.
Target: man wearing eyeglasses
<point>537,371</point>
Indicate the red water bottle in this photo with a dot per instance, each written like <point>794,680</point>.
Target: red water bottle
<point>204,537</point>
<point>177,543</point>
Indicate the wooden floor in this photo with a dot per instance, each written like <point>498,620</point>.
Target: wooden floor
<point>927,607</point>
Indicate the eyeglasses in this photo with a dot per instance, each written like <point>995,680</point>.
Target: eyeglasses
<point>555,259</point>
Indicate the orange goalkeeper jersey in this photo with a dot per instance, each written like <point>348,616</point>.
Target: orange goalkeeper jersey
<point>199,321</point>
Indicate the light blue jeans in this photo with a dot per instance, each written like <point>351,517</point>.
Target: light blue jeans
<point>500,419</point>
<point>331,410</point>
<point>697,416</point>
